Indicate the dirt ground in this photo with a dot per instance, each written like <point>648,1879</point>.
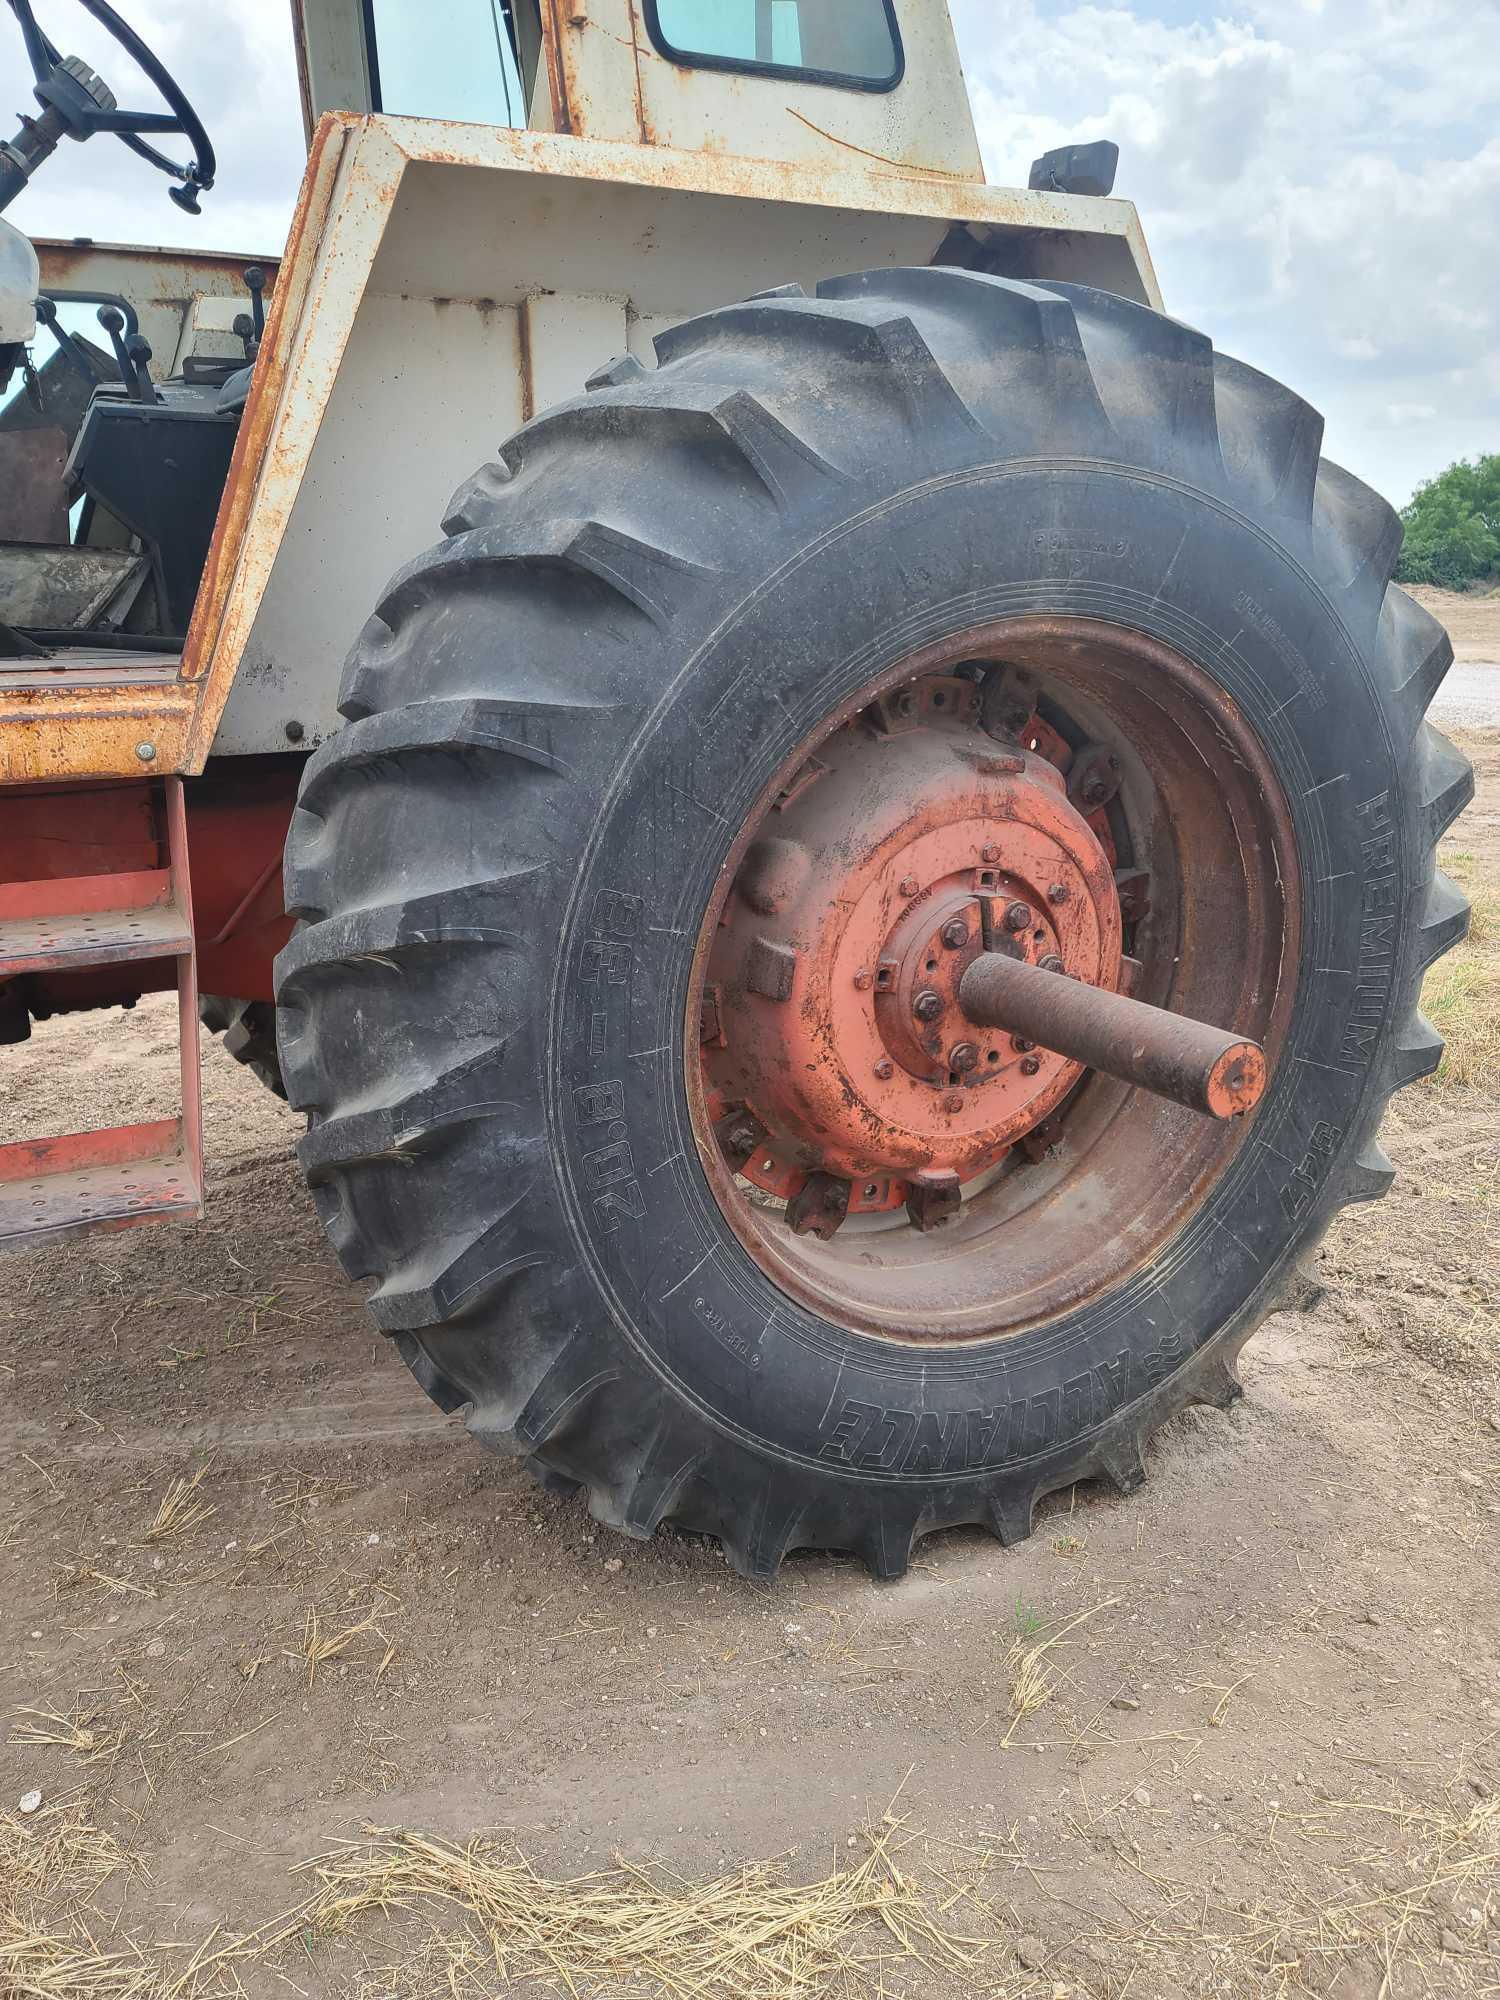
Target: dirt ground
<point>1472,619</point>
<point>1269,1762</point>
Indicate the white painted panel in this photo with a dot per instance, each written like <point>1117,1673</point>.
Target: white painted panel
<point>426,392</point>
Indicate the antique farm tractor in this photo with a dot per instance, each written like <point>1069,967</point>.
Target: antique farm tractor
<point>844,933</point>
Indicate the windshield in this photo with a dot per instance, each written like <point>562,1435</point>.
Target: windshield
<point>851,42</point>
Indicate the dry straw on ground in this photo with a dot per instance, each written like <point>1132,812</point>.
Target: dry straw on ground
<point>486,1918</point>
<point>749,1935</point>
<point>180,1508</point>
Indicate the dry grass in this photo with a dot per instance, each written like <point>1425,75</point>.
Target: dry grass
<point>319,1645</point>
<point>1461,994</point>
<point>85,1733</point>
<point>487,1919</point>
<point>180,1509</point>
<point>750,1935</point>
<point>1033,1679</point>
<point>52,1865</point>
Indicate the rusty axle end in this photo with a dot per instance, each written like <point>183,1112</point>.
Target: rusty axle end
<point>1208,1069</point>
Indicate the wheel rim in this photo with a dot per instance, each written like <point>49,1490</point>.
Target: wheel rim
<point>1075,791</point>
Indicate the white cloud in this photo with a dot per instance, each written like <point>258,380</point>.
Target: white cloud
<point>1316,184</point>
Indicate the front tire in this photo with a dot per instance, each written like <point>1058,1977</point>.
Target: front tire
<point>563,718</point>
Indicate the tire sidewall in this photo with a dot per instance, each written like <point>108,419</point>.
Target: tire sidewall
<point>995,541</point>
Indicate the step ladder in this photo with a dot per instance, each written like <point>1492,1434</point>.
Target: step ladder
<point>122,1175</point>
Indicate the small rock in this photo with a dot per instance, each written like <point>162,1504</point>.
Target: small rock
<point>1141,1796</point>
<point>372,1541</point>
<point>1198,1799</point>
<point>1470,1479</point>
<point>1030,1952</point>
<point>156,1649</point>
<point>650,1631</point>
<point>1302,1777</point>
<point>613,1565</point>
<point>30,1802</point>
<point>1126,1701</point>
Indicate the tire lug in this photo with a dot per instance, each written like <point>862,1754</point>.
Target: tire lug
<point>932,1199</point>
<point>820,1207</point>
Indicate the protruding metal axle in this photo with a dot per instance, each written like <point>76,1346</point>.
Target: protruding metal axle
<point>1203,1067</point>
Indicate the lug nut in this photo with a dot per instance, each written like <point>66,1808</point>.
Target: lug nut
<point>1017,916</point>
<point>1058,893</point>
<point>956,934</point>
<point>1021,1046</point>
<point>1051,963</point>
<point>954,1101</point>
<point>1030,1065</point>
<point>962,1057</point>
<point>989,852</point>
<point>885,1068</point>
<point>909,885</point>
<point>928,1006</point>
<point>864,981</point>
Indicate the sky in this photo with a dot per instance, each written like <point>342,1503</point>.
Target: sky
<point>1319,180</point>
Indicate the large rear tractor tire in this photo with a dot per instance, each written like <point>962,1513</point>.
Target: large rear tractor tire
<point>248,1029</point>
<point>747,701</point>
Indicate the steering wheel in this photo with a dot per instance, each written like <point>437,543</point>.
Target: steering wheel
<point>85,106</point>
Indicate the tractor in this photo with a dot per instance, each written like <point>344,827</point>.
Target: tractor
<point>845,932</point>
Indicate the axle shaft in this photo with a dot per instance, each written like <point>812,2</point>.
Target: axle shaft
<point>1191,1062</point>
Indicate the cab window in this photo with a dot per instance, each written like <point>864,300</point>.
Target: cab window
<point>457,62</point>
<point>851,43</point>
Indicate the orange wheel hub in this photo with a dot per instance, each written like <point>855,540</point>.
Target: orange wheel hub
<point>835,1047</point>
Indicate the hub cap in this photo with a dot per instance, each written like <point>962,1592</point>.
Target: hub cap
<point>912,843</point>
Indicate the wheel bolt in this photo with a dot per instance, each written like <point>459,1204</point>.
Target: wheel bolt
<point>885,1068</point>
<point>928,1006</point>
<point>1051,963</point>
<point>962,1057</point>
<point>989,852</point>
<point>864,981</point>
<point>1030,1065</point>
<point>1058,893</point>
<point>1021,1046</point>
<point>954,1101</point>
<point>909,885</point>
<point>956,934</point>
<point>1017,916</point>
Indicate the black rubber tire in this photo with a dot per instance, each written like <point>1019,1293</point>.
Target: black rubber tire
<point>248,1029</point>
<point>559,718</point>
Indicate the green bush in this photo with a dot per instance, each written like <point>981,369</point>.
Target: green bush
<point>1453,526</point>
